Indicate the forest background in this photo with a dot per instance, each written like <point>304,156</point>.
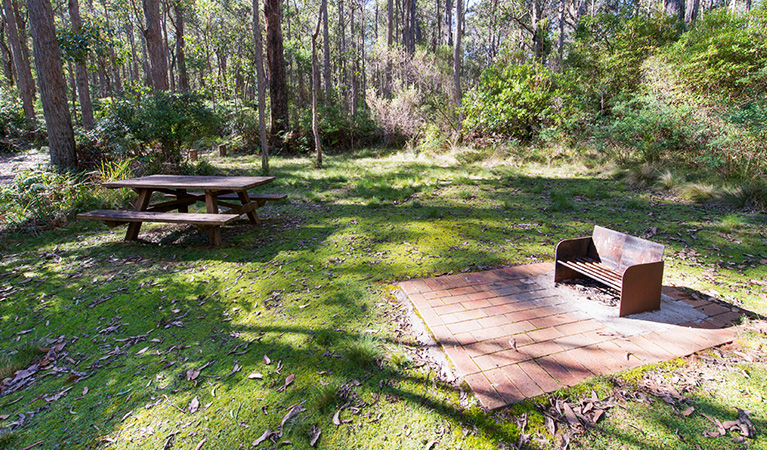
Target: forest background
<point>662,87</point>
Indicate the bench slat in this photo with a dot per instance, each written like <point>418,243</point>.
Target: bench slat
<point>154,216</point>
<point>593,270</point>
<point>262,197</point>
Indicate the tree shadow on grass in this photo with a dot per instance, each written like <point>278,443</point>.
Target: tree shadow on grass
<point>309,278</point>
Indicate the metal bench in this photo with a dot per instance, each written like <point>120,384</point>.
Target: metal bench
<point>631,265</point>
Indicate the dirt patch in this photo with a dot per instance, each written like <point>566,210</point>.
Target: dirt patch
<point>11,164</point>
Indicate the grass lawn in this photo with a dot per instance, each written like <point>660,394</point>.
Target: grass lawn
<point>290,329</point>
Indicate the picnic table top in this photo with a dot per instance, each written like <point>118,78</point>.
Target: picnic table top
<point>191,182</point>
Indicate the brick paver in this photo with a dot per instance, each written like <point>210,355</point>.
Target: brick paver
<point>512,335</point>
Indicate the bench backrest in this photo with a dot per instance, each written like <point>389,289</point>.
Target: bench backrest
<point>618,250</point>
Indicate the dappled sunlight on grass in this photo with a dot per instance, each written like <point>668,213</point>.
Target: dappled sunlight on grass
<point>306,294</point>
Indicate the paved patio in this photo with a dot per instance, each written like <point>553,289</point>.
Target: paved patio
<point>512,334</point>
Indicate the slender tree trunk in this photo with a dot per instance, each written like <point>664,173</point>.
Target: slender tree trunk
<point>449,23</point>
<point>691,12</point>
<point>261,82</point>
<point>53,88</point>
<point>561,38</point>
<point>183,76</point>
<point>83,90</point>
<point>343,81</point>
<point>24,78</point>
<point>278,89</point>
<point>5,54</point>
<point>355,86</point>
<point>158,65</point>
<point>326,77</point>
<point>315,88</point>
<point>389,47</point>
<point>457,54</point>
<point>675,8</point>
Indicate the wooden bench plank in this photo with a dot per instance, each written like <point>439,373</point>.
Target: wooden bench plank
<point>260,197</point>
<point>155,216</point>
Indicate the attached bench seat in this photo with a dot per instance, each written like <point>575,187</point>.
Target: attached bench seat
<point>118,217</point>
<point>112,218</point>
<point>631,265</point>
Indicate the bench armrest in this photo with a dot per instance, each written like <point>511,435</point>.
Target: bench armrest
<point>568,249</point>
<point>641,288</point>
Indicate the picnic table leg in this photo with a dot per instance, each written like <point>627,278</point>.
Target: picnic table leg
<point>185,207</point>
<point>211,207</point>
<point>245,199</point>
<point>141,204</point>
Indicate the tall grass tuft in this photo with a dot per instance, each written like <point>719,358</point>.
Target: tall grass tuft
<point>699,192</point>
<point>365,352</point>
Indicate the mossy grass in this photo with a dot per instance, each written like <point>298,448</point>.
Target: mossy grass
<point>298,296</point>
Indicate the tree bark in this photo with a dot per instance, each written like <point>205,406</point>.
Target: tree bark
<point>5,54</point>
<point>691,13</point>
<point>449,23</point>
<point>83,90</point>
<point>53,88</point>
<point>675,8</point>
<point>158,65</point>
<point>275,59</point>
<point>25,82</point>
<point>457,55</point>
<point>389,49</point>
<point>326,77</point>
<point>315,88</point>
<point>261,86</point>
<point>183,76</point>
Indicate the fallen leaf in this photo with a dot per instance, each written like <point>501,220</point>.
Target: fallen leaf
<point>572,420</point>
<point>262,438</point>
<point>199,446</point>
<point>267,361</point>
<point>294,411</point>
<point>314,435</point>
<point>430,445</point>
<point>85,390</point>
<point>337,418</point>
<point>194,405</point>
<point>235,369</point>
<point>687,412</point>
<point>255,376</point>
<point>597,415</point>
<point>4,416</point>
<point>288,382</point>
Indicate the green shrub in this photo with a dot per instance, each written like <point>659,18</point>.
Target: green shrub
<point>12,120</point>
<point>724,54</point>
<point>41,199</point>
<point>516,101</point>
<point>152,129</point>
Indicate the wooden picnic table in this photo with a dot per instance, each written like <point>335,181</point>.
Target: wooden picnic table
<point>185,190</point>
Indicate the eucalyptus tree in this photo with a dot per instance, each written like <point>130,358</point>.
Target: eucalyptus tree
<point>25,82</point>
<point>53,88</point>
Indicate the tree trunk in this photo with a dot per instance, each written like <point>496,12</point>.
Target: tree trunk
<point>691,13</point>
<point>83,90</point>
<point>261,82</point>
<point>389,49</point>
<point>315,88</point>
<point>353,100</point>
<point>343,81</point>
<point>5,54</point>
<point>457,55</point>
<point>24,78</point>
<point>183,76</point>
<point>275,59</point>
<point>158,65</point>
<point>53,88</point>
<point>449,22</point>
<point>325,50</point>
<point>675,8</point>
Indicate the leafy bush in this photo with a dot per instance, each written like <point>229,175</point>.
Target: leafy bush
<point>608,51</point>
<point>517,101</point>
<point>725,54</point>
<point>167,121</point>
<point>12,120</point>
<point>41,199</point>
